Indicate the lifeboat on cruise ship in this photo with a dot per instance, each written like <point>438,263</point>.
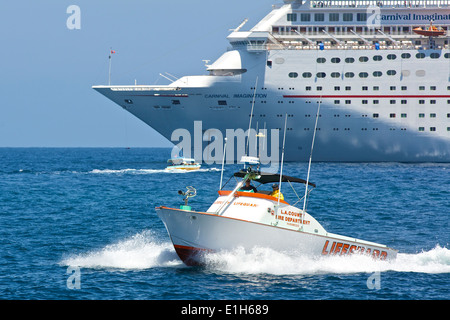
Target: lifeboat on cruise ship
<point>431,31</point>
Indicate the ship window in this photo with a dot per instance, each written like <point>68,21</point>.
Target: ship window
<point>433,88</point>
<point>337,101</point>
<point>420,55</point>
<point>435,55</point>
<point>377,58</point>
<point>377,74</point>
<point>319,17</point>
<point>391,57</point>
<point>392,115</point>
<point>432,101</point>
<point>421,101</point>
<point>363,75</point>
<point>308,88</point>
<point>365,88</point>
<point>319,88</point>
<point>432,115</point>
<point>305,17</point>
<point>348,88</point>
<point>269,63</point>
<point>293,75</point>
<point>291,17</point>
<point>348,101</point>
<point>349,74</point>
<point>406,55</point>
<point>404,88</point>
<point>337,88</point>
<point>376,101</point>
<point>393,88</point>
<point>348,16</point>
<point>393,102</point>
<point>361,17</point>
<point>422,88</point>
<point>421,115</point>
<point>391,72</point>
<point>365,102</point>
<point>321,60</point>
<point>375,115</point>
<point>333,17</point>
<point>335,74</point>
<point>129,101</point>
<point>447,55</point>
<point>349,60</point>
<point>404,115</point>
<point>404,101</point>
<point>321,75</point>
<point>307,75</point>
<point>421,129</point>
<point>363,59</point>
<point>432,128</point>
<point>335,60</point>
<point>420,73</point>
<point>376,88</point>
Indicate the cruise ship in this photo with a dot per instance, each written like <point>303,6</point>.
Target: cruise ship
<point>378,71</point>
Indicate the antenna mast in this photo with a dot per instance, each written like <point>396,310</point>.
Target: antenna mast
<point>310,156</point>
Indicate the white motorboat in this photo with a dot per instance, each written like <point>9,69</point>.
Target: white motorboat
<point>186,164</point>
<point>249,219</point>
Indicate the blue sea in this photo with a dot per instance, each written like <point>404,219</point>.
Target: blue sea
<point>80,224</point>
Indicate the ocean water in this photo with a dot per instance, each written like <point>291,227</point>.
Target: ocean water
<point>80,224</point>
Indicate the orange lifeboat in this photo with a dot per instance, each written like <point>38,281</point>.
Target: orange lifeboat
<point>431,31</point>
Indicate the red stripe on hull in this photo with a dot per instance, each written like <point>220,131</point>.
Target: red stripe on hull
<point>191,256</point>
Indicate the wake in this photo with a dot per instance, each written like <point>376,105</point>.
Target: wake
<point>142,251</point>
<point>149,171</point>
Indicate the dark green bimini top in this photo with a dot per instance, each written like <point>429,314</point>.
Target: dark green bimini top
<point>264,177</point>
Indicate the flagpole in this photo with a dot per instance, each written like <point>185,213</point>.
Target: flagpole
<point>109,73</point>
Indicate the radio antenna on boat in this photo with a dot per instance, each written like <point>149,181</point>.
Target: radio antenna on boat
<point>310,156</point>
<point>251,116</point>
<point>223,162</point>
<point>282,160</point>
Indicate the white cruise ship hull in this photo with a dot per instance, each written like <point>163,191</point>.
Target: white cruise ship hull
<point>384,93</point>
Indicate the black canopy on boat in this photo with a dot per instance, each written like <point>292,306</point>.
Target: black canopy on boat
<point>265,177</point>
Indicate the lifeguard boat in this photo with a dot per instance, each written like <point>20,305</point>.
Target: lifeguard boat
<point>250,219</point>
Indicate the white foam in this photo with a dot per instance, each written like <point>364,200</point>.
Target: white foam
<point>141,251</point>
<point>148,171</point>
<point>264,260</point>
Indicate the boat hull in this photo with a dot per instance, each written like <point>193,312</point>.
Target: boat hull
<point>184,168</point>
<point>195,233</point>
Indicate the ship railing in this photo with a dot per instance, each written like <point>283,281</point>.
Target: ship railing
<point>352,46</point>
<point>317,4</point>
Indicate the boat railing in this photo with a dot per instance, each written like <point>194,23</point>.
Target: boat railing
<point>317,4</point>
<point>355,46</point>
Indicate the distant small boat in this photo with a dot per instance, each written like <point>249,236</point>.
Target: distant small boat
<point>431,31</point>
<point>186,164</point>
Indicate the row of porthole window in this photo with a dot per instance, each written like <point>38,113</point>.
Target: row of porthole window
<point>405,55</point>
<point>338,74</point>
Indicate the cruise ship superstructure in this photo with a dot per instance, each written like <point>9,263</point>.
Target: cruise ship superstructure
<point>383,88</point>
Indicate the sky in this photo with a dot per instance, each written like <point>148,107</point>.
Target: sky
<point>47,69</point>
